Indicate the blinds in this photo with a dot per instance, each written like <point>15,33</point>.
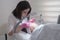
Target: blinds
<point>50,9</point>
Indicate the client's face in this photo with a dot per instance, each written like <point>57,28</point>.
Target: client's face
<point>33,26</point>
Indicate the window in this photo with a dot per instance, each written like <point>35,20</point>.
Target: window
<point>50,9</point>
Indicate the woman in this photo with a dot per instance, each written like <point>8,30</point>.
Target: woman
<point>20,13</point>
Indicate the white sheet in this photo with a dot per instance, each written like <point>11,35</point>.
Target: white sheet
<point>36,32</point>
<point>20,36</point>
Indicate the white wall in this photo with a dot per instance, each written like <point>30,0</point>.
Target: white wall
<point>6,7</point>
<point>35,10</point>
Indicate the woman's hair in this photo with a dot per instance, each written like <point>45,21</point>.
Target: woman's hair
<point>22,5</point>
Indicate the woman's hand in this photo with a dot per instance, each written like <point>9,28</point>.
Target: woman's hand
<point>25,25</point>
<point>10,33</point>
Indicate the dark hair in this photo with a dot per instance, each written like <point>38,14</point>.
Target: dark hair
<point>22,5</point>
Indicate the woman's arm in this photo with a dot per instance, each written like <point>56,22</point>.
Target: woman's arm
<point>18,29</point>
<point>11,23</point>
<point>10,26</point>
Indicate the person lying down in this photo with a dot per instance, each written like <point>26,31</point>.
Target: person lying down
<point>50,31</point>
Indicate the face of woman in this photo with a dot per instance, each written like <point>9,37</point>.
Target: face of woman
<point>25,12</point>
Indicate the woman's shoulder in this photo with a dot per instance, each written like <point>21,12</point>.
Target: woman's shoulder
<point>12,18</point>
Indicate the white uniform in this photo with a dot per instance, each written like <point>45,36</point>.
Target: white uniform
<point>12,21</point>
